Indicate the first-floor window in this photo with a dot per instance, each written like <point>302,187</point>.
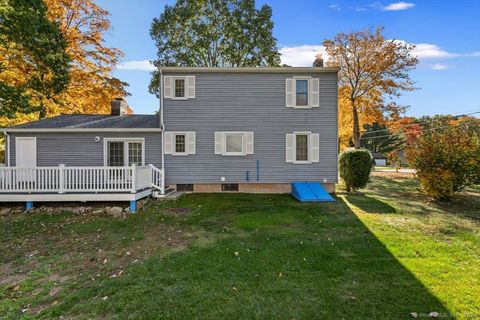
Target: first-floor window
<point>301,143</point>
<point>135,153</point>
<point>234,143</point>
<point>180,142</point>
<point>124,153</point>
<point>115,153</point>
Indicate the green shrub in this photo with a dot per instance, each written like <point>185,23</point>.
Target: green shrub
<point>355,166</point>
<point>446,161</point>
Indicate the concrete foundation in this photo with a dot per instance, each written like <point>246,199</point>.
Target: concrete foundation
<point>255,187</point>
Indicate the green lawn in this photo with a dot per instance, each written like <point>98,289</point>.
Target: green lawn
<point>235,256</point>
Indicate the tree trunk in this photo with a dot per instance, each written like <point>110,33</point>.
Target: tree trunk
<point>43,112</point>
<point>356,126</point>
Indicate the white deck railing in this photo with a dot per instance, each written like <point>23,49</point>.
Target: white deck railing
<point>64,179</point>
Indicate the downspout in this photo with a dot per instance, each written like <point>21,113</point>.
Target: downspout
<point>162,126</point>
<point>7,147</point>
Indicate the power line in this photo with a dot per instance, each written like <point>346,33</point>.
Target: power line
<point>424,122</point>
<point>437,128</point>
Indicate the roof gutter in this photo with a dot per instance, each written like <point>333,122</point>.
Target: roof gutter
<point>296,70</point>
<point>45,130</point>
<point>162,127</point>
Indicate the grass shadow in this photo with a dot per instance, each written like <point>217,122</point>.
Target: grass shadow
<point>336,268</point>
<point>370,204</point>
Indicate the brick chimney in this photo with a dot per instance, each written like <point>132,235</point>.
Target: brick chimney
<point>318,61</point>
<point>119,107</point>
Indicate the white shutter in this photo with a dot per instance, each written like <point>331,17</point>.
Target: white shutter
<point>314,147</point>
<point>289,92</point>
<point>190,87</point>
<point>289,150</point>
<point>314,92</point>
<point>249,142</point>
<point>190,145</point>
<point>168,143</point>
<point>167,87</point>
<point>219,145</point>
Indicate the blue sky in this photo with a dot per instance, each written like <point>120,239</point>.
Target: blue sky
<point>447,35</point>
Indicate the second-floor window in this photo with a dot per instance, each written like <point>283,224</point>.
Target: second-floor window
<point>301,92</point>
<point>179,87</point>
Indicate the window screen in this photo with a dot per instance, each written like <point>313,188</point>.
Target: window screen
<point>115,153</point>
<point>180,143</point>
<point>234,143</point>
<point>302,92</point>
<point>179,88</point>
<point>302,147</point>
<point>135,153</point>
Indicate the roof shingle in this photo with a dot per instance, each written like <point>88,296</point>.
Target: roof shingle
<point>92,121</point>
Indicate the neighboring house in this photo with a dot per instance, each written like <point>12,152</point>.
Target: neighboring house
<point>379,158</point>
<point>225,129</point>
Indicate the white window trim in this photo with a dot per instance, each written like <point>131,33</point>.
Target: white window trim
<point>308,106</point>
<point>308,133</point>
<point>125,149</point>
<point>225,152</point>
<point>185,93</point>
<point>175,153</point>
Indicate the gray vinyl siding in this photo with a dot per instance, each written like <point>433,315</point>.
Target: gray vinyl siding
<point>251,102</point>
<point>80,149</point>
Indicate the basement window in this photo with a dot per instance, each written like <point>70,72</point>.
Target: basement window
<point>229,186</point>
<point>185,187</point>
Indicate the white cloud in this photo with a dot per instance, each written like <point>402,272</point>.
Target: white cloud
<point>432,51</point>
<point>335,6</point>
<point>140,65</point>
<point>397,6</point>
<point>301,56</point>
<point>439,66</point>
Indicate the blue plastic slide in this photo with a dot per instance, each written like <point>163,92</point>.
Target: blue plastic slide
<point>310,191</point>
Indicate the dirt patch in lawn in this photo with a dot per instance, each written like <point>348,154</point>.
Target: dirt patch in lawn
<point>392,174</point>
<point>177,211</point>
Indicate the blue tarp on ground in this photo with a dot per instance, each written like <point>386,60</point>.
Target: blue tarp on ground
<point>310,191</point>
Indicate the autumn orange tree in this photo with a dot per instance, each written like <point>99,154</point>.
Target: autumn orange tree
<point>91,86</point>
<point>372,67</point>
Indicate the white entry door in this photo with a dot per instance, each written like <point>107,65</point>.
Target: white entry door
<point>26,152</point>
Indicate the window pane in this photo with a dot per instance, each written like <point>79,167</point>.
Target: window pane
<point>179,88</point>
<point>115,154</point>
<point>180,143</point>
<point>302,92</point>
<point>302,147</point>
<point>135,153</point>
<point>234,143</point>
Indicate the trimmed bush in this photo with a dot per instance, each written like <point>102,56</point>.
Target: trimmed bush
<point>355,166</point>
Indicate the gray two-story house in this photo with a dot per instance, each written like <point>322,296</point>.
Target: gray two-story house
<point>218,129</point>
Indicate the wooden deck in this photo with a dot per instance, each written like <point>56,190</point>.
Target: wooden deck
<point>44,184</point>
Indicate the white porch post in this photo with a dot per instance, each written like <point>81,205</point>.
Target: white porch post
<point>134,178</point>
<point>61,178</point>
<point>162,191</point>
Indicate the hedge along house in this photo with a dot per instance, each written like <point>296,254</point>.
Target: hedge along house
<point>224,129</point>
